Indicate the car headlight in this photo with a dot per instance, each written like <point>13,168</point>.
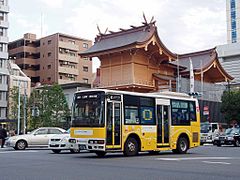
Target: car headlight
<point>230,138</point>
<point>12,139</point>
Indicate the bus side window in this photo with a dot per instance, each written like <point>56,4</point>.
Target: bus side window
<point>192,110</point>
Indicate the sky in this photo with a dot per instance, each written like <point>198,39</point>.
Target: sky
<point>183,25</point>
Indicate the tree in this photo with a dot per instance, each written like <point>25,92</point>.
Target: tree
<point>230,105</point>
<point>49,106</point>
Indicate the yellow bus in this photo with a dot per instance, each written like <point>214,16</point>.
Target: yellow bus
<point>129,122</point>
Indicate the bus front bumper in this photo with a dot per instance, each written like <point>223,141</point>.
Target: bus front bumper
<point>91,144</point>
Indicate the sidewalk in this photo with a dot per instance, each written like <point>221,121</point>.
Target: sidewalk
<point>6,148</point>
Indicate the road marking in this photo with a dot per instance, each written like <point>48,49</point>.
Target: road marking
<point>7,152</point>
<point>211,162</point>
<point>193,158</point>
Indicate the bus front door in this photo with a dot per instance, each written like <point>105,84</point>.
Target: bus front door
<point>114,121</point>
<point>163,124</point>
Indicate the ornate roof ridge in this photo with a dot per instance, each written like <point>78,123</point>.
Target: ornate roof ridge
<point>122,31</point>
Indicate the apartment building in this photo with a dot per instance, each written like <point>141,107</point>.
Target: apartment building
<point>52,59</point>
<point>233,20</point>
<point>4,10</point>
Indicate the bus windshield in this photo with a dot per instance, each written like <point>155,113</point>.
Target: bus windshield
<point>88,109</point>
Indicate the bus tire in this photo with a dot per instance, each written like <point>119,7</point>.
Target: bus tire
<point>131,147</point>
<point>182,146</point>
<point>100,153</point>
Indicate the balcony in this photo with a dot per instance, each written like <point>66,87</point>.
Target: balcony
<point>3,55</point>
<point>4,8</point>
<point>3,39</point>
<point>4,24</point>
<point>67,70</point>
<point>66,57</point>
<point>64,81</point>
<point>68,45</point>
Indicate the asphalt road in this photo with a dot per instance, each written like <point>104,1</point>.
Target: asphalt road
<point>206,162</point>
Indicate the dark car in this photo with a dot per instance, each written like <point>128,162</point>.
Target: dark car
<point>230,137</point>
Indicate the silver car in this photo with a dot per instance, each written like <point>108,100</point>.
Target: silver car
<point>61,142</point>
<point>37,138</point>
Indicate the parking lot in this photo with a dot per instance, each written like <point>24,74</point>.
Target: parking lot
<point>205,162</point>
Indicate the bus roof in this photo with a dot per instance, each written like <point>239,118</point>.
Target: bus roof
<point>165,94</point>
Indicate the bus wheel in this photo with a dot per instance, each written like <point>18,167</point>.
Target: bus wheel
<point>131,147</point>
<point>182,146</point>
<point>100,153</point>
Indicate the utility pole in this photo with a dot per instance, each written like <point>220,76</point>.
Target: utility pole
<point>178,77</point>
<point>18,117</point>
<point>24,109</point>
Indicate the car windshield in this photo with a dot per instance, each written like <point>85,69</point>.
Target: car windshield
<point>88,110</point>
<point>205,127</point>
<point>232,131</point>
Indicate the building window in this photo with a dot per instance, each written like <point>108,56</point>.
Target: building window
<point>85,45</point>
<point>85,68</point>
<point>1,96</point>
<point>1,2</point>
<point>1,63</point>
<point>1,31</point>
<point>72,54</point>
<point>49,41</point>
<point>60,77</point>
<point>85,59</point>
<point>72,42</point>
<point>49,78</point>
<point>1,16</point>
<point>49,54</point>
<point>49,66</point>
<point>85,80</point>
<point>1,47</point>
<point>61,50</point>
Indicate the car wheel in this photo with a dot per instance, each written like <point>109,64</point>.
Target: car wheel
<point>182,146</point>
<point>21,145</point>
<point>100,153</point>
<point>219,145</point>
<point>74,150</point>
<point>237,143</point>
<point>131,147</point>
<point>57,151</point>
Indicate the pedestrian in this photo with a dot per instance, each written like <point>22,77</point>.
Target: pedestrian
<point>3,135</point>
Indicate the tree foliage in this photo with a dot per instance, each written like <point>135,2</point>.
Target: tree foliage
<point>49,107</point>
<point>231,105</point>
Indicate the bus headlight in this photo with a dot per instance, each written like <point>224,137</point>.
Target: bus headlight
<point>96,142</point>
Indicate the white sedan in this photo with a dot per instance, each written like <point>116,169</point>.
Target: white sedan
<point>61,142</point>
<point>37,138</point>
